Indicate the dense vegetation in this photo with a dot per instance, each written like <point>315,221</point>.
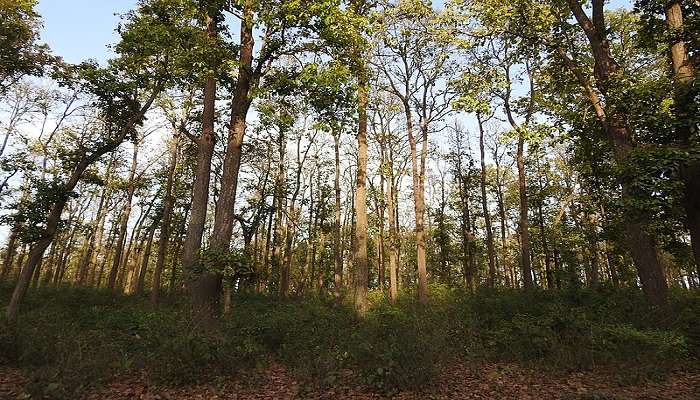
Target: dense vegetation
<point>71,348</point>
<point>386,188</point>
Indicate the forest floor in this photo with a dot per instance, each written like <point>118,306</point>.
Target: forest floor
<point>487,381</point>
<point>79,343</point>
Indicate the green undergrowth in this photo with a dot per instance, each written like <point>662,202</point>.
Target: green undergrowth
<point>69,340</point>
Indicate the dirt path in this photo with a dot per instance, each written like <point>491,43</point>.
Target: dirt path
<point>491,381</point>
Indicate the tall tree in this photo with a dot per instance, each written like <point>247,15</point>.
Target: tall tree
<point>199,284</point>
<point>360,68</point>
<point>165,223</point>
<point>123,93</point>
<point>416,64</point>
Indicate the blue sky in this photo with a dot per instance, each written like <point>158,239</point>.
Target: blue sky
<point>82,29</point>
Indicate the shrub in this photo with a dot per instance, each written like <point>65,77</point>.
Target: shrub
<point>70,339</point>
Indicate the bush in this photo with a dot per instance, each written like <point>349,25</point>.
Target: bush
<point>70,339</point>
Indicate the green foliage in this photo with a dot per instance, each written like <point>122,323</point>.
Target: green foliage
<point>231,265</point>
<point>576,329</point>
<point>73,339</point>
<point>168,39</point>
<point>20,55</point>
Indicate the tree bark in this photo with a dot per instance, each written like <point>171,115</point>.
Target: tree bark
<point>545,249</point>
<point>111,237</point>
<point>468,270</point>
<point>524,220</point>
<point>508,272</point>
<point>123,223</point>
<point>145,257</point>
<point>164,235</point>
<point>393,232</point>
<point>279,204</point>
<point>381,203</point>
<point>418,203</point>
<point>641,244</point>
<point>86,271</point>
<point>206,288</point>
<point>684,76</point>
<point>337,242</point>
<point>52,264</point>
<point>10,251</point>
<point>361,269</point>
<point>203,287</point>
<point>292,219</point>
<point>491,278</point>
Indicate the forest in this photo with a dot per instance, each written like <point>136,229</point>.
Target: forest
<point>353,199</point>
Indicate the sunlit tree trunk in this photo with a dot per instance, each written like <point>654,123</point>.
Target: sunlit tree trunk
<point>279,204</point>
<point>381,262</point>
<point>393,239</point>
<point>337,239</point>
<point>360,262</point>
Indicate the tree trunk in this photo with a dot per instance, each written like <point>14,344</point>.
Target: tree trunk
<point>337,243</point>
<point>642,246</point>
<point>543,235</point>
<point>418,205</point>
<point>176,256</point>
<point>164,236</point>
<point>145,257</point>
<point>292,219</point>
<point>545,249</point>
<point>279,204</point>
<point>524,220</point>
<point>361,270</point>
<point>381,205</point>
<point>36,252</point>
<point>52,264</point>
<point>310,266</point>
<point>203,287</point>
<point>86,269</point>
<point>268,244</point>
<point>96,247</point>
<point>465,220</point>
<point>289,240</point>
<point>123,223</point>
<point>110,242</point>
<point>206,288</point>
<point>10,251</point>
<point>491,278</point>
<point>512,282</point>
<point>393,234</point>
<point>684,76</point>
<point>132,263</point>
<point>85,254</point>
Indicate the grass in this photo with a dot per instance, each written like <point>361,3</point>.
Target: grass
<point>69,340</point>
